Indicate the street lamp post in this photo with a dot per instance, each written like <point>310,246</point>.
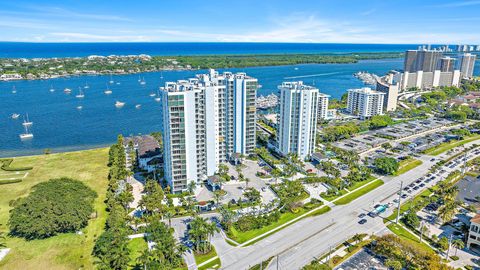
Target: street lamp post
<point>398,205</point>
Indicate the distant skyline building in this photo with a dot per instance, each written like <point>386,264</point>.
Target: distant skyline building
<point>297,126</point>
<point>425,60</point>
<point>365,102</point>
<point>466,64</point>
<point>447,64</point>
<point>205,120</point>
<point>390,87</point>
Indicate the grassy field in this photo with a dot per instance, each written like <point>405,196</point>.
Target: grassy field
<point>437,150</point>
<point>407,165</point>
<point>136,246</point>
<point>359,192</point>
<point>241,237</point>
<point>402,233</point>
<point>65,251</point>
<point>200,258</point>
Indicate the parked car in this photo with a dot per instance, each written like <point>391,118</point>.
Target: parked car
<point>362,221</point>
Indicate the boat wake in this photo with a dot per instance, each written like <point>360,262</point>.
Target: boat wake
<point>312,75</point>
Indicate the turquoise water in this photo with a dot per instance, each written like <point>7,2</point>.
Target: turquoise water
<point>60,126</point>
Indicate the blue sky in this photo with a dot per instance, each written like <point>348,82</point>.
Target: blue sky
<point>342,21</point>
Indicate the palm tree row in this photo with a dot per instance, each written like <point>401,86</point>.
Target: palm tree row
<point>201,231</point>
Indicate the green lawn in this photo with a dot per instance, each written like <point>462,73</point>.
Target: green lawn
<point>200,258</point>
<point>437,150</point>
<point>320,211</point>
<point>361,183</point>
<point>402,233</point>
<point>241,237</point>
<point>65,251</point>
<point>136,246</point>
<point>215,264</point>
<point>359,192</point>
<point>407,165</point>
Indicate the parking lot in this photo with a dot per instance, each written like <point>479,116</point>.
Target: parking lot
<point>364,259</point>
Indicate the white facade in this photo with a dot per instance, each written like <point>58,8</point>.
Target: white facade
<point>466,63</point>
<point>297,125</point>
<point>365,102</point>
<point>428,80</point>
<point>205,120</point>
<point>322,106</point>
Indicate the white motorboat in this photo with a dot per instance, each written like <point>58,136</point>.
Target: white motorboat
<point>15,115</point>
<point>52,89</point>
<point>79,107</point>
<point>67,90</point>
<point>119,104</point>
<point>138,106</point>
<point>14,90</point>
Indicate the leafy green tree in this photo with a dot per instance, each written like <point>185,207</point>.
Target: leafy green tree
<point>111,249</point>
<point>411,219</point>
<point>56,206</point>
<point>252,194</point>
<point>393,264</point>
<point>222,168</point>
<point>386,165</point>
<point>167,250</point>
<point>151,202</point>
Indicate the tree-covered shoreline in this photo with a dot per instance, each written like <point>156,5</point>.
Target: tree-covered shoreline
<point>46,68</point>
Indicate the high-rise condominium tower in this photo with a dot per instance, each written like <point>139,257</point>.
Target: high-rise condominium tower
<point>205,120</point>
<point>297,125</point>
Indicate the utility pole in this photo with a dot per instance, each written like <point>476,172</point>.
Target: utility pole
<point>464,160</point>
<point>421,231</point>
<point>277,262</point>
<point>398,205</point>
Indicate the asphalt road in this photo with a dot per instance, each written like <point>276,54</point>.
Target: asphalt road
<point>300,243</point>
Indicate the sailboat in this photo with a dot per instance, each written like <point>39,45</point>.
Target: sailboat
<point>26,121</point>
<point>14,90</point>
<point>161,75</point>
<point>79,107</point>
<point>86,85</point>
<point>157,99</point>
<point>111,79</point>
<point>108,91</point>
<point>52,89</point>
<point>152,94</point>
<point>119,104</point>
<point>26,135</point>
<point>139,79</point>
<point>138,106</point>
<point>67,90</point>
<point>142,82</point>
<point>80,93</point>
<point>15,115</point>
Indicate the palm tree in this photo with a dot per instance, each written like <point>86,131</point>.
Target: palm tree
<point>458,244</point>
<point>145,257</point>
<point>2,240</point>
<point>168,215</point>
<point>447,211</point>
<point>357,238</point>
<point>216,197</point>
<point>246,181</point>
<point>191,186</point>
<point>201,232</point>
